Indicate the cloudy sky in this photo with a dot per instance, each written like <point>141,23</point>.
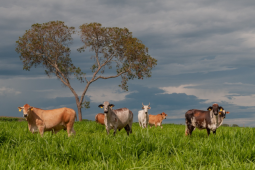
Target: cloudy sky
<point>205,51</point>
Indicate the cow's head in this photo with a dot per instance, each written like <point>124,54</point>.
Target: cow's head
<point>26,110</point>
<point>146,108</point>
<point>106,106</point>
<point>223,112</point>
<point>163,115</point>
<point>214,108</point>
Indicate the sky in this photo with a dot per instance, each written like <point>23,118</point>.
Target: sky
<point>205,52</point>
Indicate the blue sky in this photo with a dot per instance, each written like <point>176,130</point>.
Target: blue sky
<point>205,52</point>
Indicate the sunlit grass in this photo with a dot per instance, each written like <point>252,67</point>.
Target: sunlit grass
<point>156,148</point>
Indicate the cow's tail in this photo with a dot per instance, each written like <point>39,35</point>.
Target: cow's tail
<point>96,119</point>
<point>131,121</point>
<point>186,128</point>
<point>131,113</point>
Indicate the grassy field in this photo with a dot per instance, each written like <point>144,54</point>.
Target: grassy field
<point>156,148</point>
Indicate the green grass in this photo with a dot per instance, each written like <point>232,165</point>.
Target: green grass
<point>156,148</point>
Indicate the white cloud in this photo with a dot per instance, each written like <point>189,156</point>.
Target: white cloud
<point>109,94</point>
<point>212,95</point>
<point>6,91</point>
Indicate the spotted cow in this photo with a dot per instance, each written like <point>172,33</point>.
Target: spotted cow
<point>209,120</point>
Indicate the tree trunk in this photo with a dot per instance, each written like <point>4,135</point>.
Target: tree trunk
<point>79,112</point>
<point>78,107</point>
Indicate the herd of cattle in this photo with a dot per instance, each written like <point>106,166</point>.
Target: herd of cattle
<point>40,120</point>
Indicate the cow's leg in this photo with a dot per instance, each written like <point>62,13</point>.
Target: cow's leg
<point>214,132</point>
<point>69,128</point>
<point>161,125</point>
<point>41,130</point>
<point>107,130</point>
<point>208,131</point>
<point>73,131</point>
<point>130,127</point>
<point>186,131</point>
<point>140,124</point>
<point>127,128</point>
<point>155,124</point>
<point>189,129</point>
<point>115,130</point>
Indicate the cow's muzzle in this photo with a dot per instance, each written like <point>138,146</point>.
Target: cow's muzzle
<point>106,111</point>
<point>25,115</point>
<point>146,112</point>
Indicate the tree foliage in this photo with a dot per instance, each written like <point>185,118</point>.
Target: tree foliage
<point>47,44</point>
<point>115,46</point>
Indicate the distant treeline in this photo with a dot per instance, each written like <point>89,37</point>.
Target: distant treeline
<point>10,119</point>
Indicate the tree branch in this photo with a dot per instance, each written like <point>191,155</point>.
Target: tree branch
<point>109,76</point>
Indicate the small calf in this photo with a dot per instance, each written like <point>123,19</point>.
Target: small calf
<point>157,119</point>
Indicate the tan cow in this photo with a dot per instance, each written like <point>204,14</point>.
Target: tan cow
<point>49,120</point>
<point>157,119</point>
<point>99,118</point>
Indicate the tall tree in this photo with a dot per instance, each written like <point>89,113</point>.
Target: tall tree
<point>113,47</point>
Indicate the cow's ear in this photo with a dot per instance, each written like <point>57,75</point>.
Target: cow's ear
<point>31,108</point>
<point>209,108</point>
<point>221,108</point>
<point>142,107</point>
<point>20,108</point>
<point>111,105</point>
<point>101,105</point>
<point>149,107</point>
<point>227,112</point>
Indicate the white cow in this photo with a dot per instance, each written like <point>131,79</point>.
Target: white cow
<point>143,116</point>
<point>117,119</point>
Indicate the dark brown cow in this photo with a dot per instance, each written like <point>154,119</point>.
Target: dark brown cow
<point>209,120</point>
<point>99,118</point>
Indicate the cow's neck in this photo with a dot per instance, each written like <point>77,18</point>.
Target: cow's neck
<point>109,114</point>
<point>161,117</point>
<point>214,119</point>
<point>32,117</point>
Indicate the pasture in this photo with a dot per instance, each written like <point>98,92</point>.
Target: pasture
<point>156,148</point>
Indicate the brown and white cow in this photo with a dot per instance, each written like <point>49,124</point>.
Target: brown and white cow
<point>209,120</point>
<point>40,120</point>
<point>157,119</point>
<point>117,119</point>
<point>99,118</point>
